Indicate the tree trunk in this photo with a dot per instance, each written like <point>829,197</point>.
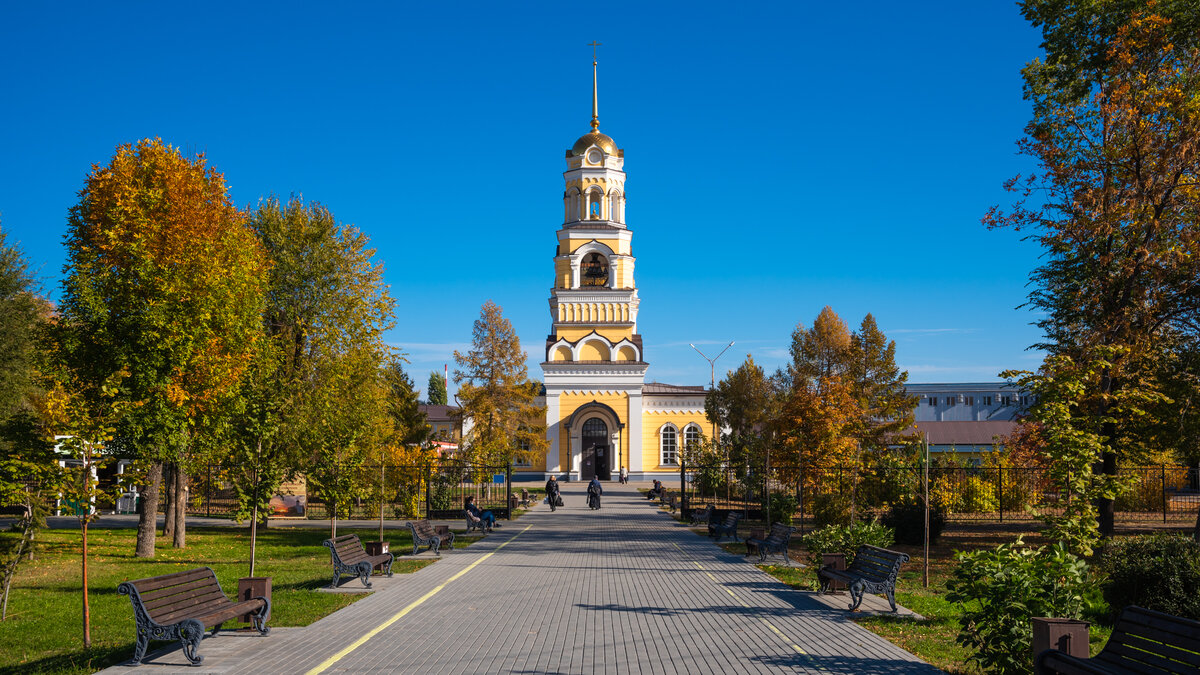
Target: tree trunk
<point>1107,507</point>
<point>180,500</point>
<point>168,494</point>
<point>333,521</point>
<point>253,535</point>
<point>87,613</point>
<point>148,517</point>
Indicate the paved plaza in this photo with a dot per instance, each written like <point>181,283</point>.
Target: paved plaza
<point>626,589</point>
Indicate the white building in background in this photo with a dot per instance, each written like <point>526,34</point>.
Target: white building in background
<point>967,417</point>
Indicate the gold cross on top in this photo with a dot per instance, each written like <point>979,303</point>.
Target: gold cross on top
<point>593,44</point>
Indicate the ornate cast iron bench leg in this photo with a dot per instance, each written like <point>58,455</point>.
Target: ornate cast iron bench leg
<point>191,632</point>
<point>389,565</point>
<point>364,572</point>
<point>259,618</point>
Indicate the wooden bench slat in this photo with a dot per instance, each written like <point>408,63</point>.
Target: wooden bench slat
<point>1142,641</point>
<point>223,614</point>
<point>1155,661</point>
<point>192,586</point>
<point>192,611</point>
<point>873,570</point>
<point>154,583</point>
<point>348,556</point>
<point>164,605</point>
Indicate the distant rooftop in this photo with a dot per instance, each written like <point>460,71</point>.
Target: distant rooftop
<point>661,388</point>
<point>963,386</point>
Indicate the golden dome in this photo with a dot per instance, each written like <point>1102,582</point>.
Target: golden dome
<point>608,145</point>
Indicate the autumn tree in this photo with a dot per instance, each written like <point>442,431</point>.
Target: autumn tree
<point>436,389</point>
<point>745,401</point>
<point>21,310</point>
<point>1116,132</point>
<point>496,393</point>
<point>164,280</point>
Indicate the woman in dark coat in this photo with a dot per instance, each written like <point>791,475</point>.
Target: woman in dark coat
<point>594,491</point>
<point>552,496</point>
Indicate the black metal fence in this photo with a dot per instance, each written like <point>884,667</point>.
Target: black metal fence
<point>436,490</point>
<point>980,494</point>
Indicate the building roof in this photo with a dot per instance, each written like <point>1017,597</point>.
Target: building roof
<point>661,388</point>
<point>438,412</point>
<point>964,433</point>
<point>961,386</point>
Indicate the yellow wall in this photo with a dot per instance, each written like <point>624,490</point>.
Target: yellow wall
<point>652,421</point>
<point>569,403</point>
<point>614,335</point>
<point>616,245</point>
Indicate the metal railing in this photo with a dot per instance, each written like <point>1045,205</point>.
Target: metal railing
<point>980,494</point>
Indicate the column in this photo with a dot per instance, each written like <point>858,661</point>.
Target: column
<point>553,424</point>
<point>635,431</point>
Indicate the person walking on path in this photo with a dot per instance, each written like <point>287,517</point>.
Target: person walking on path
<point>486,518</point>
<point>624,476</point>
<point>594,491</point>
<point>552,495</point>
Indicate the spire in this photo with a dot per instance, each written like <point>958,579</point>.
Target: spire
<point>595,108</point>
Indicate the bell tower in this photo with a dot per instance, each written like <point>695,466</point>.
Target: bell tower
<point>594,367</point>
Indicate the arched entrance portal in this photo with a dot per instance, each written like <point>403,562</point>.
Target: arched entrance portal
<point>596,451</point>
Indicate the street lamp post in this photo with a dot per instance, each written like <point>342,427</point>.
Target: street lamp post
<point>712,366</point>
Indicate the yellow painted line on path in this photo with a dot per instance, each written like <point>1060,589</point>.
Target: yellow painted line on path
<point>324,665</point>
<point>743,604</point>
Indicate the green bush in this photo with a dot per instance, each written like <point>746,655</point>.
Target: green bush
<point>1001,590</point>
<point>442,494</point>
<point>783,507</point>
<point>908,521</point>
<point>831,508</point>
<point>846,539</point>
<point>1159,572</point>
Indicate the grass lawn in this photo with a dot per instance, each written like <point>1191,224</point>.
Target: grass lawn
<point>44,633</point>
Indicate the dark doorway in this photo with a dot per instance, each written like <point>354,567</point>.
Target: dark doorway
<point>596,462</point>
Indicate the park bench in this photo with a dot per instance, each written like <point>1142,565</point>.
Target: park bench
<point>350,558</point>
<point>874,570</point>
<point>474,522</point>
<point>424,535</point>
<point>526,498</point>
<point>776,541</point>
<point>726,528</point>
<point>1143,641</point>
<point>702,517</point>
<point>181,606</point>
<point>670,500</point>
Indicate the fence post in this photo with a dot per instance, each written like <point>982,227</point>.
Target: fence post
<point>428,488</point>
<point>1163,468</point>
<point>208,493</point>
<point>1000,483</point>
<point>800,497</point>
<point>683,495</point>
<point>508,484</point>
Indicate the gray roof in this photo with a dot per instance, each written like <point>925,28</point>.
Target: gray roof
<point>964,433</point>
<point>661,388</point>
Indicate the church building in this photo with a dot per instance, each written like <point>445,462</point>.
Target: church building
<point>601,414</point>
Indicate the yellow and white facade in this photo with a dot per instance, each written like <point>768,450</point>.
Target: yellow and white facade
<point>601,415</point>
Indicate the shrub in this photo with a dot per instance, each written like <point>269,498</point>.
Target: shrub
<point>442,494</point>
<point>908,521</point>
<point>1159,572</point>
<point>846,539</point>
<point>1001,590</point>
<point>831,508</point>
<point>977,495</point>
<point>783,507</point>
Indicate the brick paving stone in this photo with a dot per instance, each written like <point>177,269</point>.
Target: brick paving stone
<point>626,589</point>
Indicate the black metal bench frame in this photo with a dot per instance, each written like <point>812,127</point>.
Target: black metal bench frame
<point>349,557</point>
<point>423,534</point>
<point>776,541</point>
<point>473,522</point>
<point>669,499</point>
<point>182,605</point>
<point>874,570</point>
<point>1143,641</point>
<point>700,517</point>
<point>727,528</point>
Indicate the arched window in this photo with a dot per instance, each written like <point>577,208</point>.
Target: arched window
<point>668,444</point>
<point>692,437</point>
<point>594,270</point>
<point>614,207</point>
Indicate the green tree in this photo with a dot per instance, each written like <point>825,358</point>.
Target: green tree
<point>746,401</point>
<point>1116,131</point>
<point>877,384</point>
<point>437,389</point>
<point>327,308</point>
<point>497,395</point>
<point>164,281</point>
<point>20,313</point>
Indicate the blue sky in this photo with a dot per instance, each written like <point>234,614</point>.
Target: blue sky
<point>780,157</point>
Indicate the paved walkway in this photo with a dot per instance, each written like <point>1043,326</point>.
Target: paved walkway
<point>622,590</point>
